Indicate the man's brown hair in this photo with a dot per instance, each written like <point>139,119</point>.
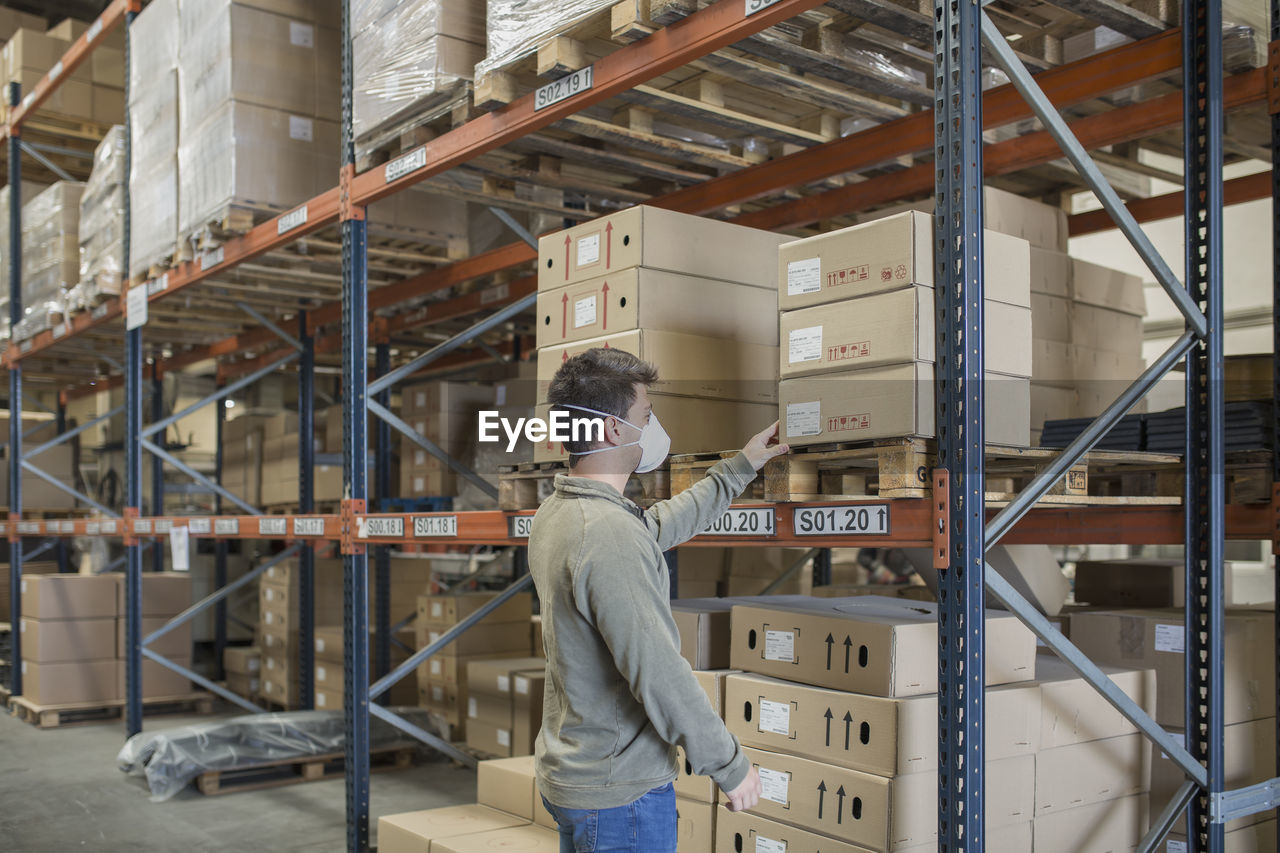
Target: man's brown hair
<point>603,379</point>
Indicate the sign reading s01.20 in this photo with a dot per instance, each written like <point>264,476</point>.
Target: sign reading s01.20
<point>564,88</point>
<point>842,520</point>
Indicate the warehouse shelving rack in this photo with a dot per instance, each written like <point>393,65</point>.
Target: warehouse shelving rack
<point>955,523</point>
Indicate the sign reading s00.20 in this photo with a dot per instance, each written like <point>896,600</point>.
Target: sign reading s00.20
<point>565,87</point>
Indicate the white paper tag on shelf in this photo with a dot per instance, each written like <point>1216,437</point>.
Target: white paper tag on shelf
<point>302,35</point>
<point>804,345</point>
<point>804,276</point>
<point>135,307</point>
<point>108,527</point>
<point>472,709</point>
<point>303,128</point>
<point>273,526</point>
<point>774,785</point>
<point>588,249</point>
<point>768,845</point>
<point>401,166</point>
<point>56,71</point>
<point>804,418</point>
<point>504,684</point>
<point>522,685</point>
<point>1172,846</point>
<point>226,526</point>
<point>504,737</point>
<point>780,646</point>
<point>179,549</point>
<point>293,218</point>
<point>584,312</point>
<point>753,6</point>
<point>490,295</point>
<point>775,717</point>
<point>1170,638</point>
<point>94,31</point>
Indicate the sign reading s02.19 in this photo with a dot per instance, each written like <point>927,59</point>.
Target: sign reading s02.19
<point>564,88</point>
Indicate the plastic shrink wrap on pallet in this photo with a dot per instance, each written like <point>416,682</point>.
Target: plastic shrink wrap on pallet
<point>50,256</point>
<point>29,191</point>
<point>102,225</point>
<point>153,120</point>
<point>517,28</point>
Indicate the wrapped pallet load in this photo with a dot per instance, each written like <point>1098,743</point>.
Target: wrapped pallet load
<point>517,28</point>
<point>102,225</point>
<point>29,191</point>
<point>50,256</point>
<point>153,122</point>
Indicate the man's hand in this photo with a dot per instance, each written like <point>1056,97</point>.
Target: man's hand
<point>764,446</point>
<point>746,795</point>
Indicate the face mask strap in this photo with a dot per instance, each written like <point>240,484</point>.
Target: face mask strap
<point>603,415</point>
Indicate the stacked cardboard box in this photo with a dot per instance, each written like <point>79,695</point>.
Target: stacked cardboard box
<point>278,622</point>
<point>68,631</point>
<point>1087,326</point>
<point>330,647</point>
<point>689,295</point>
<point>279,467</point>
<point>243,666</point>
<point>153,120</point>
<point>470,829</point>
<point>242,451</point>
<point>50,256</point>
<point>164,595</point>
<point>258,106</point>
<point>102,225</point>
<point>511,785</point>
<point>94,91</point>
<point>28,569</point>
<point>857,334</point>
<point>847,747</point>
<point>504,704</point>
<point>696,796</point>
<point>443,679</point>
<point>38,493</point>
<point>737,572</point>
<point>446,414</point>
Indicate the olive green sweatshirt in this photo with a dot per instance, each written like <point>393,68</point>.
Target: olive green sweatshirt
<point>619,697</point>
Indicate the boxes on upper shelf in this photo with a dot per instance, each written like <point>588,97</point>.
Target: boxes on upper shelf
<point>644,236</point>
<point>1058,274</point>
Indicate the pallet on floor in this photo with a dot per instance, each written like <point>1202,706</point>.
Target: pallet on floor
<point>526,485</point>
<point>53,716</point>
<point>293,771</point>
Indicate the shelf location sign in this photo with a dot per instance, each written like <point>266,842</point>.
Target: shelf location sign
<point>519,526</point>
<point>273,526</point>
<point>401,166</point>
<point>740,521</point>
<point>564,88</point>
<point>226,527</point>
<point>842,520</point>
<point>435,525</point>
<point>291,220</point>
<point>308,527</point>
<point>198,526</point>
<point>135,308</point>
<point>379,527</point>
<point>754,6</point>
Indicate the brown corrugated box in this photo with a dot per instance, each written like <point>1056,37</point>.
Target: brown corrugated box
<point>71,682</point>
<point>1135,583</point>
<point>688,365</point>
<point>69,596</point>
<point>242,684</point>
<point>489,738</point>
<point>1248,757</point>
<point>175,644</point>
<point>689,785</point>
<point>412,832</point>
<point>451,669</point>
<point>163,593</point>
<point>496,676</point>
<point>643,298</point>
<point>1050,318</point>
<point>246,660</point>
<point>158,681</point>
<point>509,637</point>
<point>644,236</point>
<point>508,785</point>
<point>695,826</point>
<point>741,831</point>
<point>868,644</point>
<point>1092,772</point>
<point>703,624</point>
<point>528,689</point>
<point>1073,711</point>
<point>1116,825</point>
<point>887,737</point>
<point>58,640</point>
<point>533,839</point>
<point>451,609</point>
<point>328,700</point>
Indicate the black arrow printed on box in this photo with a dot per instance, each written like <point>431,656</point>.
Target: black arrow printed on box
<point>848,723</point>
<point>828,715</point>
<point>848,644</point>
<point>822,792</point>
<point>840,810</point>
<point>831,641</point>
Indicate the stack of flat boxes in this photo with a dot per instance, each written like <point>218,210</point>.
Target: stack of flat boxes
<point>164,596</point>
<point>858,334</point>
<point>93,91</point>
<point>153,122</point>
<point>442,679</point>
<point>735,572</point>
<point>278,623</point>
<point>1087,327</point>
<point>847,747</point>
<point>243,667</point>
<point>1156,639</point>
<point>504,705</point>
<point>446,414</point>
<point>691,296</point>
<point>330,647</point>
<point>68,633</point>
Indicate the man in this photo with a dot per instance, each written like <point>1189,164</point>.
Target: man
<point>619,696</point>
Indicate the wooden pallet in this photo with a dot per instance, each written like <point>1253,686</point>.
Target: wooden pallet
<point>1248,477</point>
<point>899,468</point>
<point>312,768</point>
<point>524,486</point>
<point>54,716</point>
<point>319,508</point>
<point>400,134</point>
<point>689,468</point>
<point>161,264</point>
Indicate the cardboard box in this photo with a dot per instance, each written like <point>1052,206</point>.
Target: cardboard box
<point>892,328</point>
<point>888,814</point>
<point>1135,583</point>
<point>695,426</point>
<point>688,365</point>
<point>534,839</point>
<point>163,593</point>
<point>879,646</point>
<point>1112,826</point>
<point>57,640</point>
<point>158,681</point>
<point>1248,757</point>
<point>69,596</point>
<point>71,682</point>
<point>413,832</point>
<point>1072,711</point>
<point>688,784</point>
<point>643,298</point>
<point>452,609</point>
<point>243,685</point>
<point>488,708</point>
<point>327,699</point>
<point>175,644</point>
<point>1153,639</point>
<point>887,254</point>
<point>1104,329</point>
<point>528,689</point>
<point>703,624</point>
<point>436,397</point>
<point>509,637</point>
<point>1040,224</point>
<point>1103,287</point>
<point>1050,318</point>
<point>489,738</point>
<point>1050,404</point>
<point>1032,570</point>
<point>742,831</point>
<point>246,660</point>
<point>644,236</point>
<point>508,785</point>
<point>890,402</point>
<point>452,669</point>
<point>1259,838</point>
<point>496,676</point>
<point>70,30</point>
<point>1092,772</point>
<point>37,51</point>
<point>695,826</point>
<point>887,737</point>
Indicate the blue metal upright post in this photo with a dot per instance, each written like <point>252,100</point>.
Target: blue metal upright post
<point>60,426</point>
<point>132,460</point>
<point>959,278</point>
<point>1275,355</point>
<point>306,504</point>
<point>1205,491</point>
<point>157,464</point>
<point>355,449</point>
<point>219,547</point>
<point>15,401</point>
<point>382,555</point>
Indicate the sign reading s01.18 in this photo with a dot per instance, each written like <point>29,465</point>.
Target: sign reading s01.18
<point>435,525</point>
<point>842,520</point>
<point>566,87</point>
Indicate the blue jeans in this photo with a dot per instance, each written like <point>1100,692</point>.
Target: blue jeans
<point>647,825</point>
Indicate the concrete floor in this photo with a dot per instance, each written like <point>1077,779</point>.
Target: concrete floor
<point>60,790</point>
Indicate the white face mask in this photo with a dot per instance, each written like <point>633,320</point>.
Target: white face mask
<point>654,442</point>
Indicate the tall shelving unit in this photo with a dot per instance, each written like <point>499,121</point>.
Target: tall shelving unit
<point>955,523</point>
